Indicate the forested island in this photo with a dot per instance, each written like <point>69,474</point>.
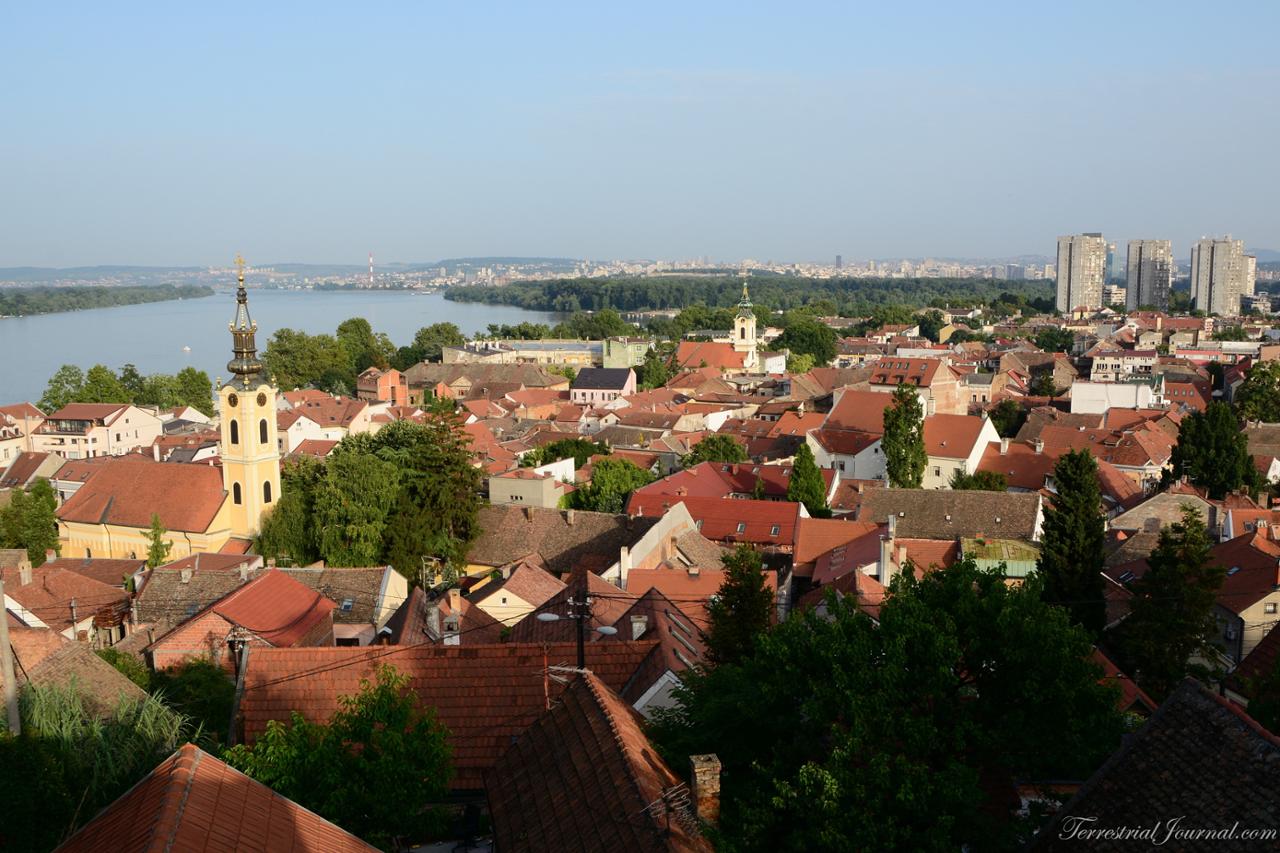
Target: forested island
<point>28,301</point>
<point>850,297</point>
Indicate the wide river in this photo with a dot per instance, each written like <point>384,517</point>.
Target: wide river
<point>153,336</point>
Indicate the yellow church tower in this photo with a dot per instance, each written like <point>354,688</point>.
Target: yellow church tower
<point>250,453</point>
<point>744,330</point>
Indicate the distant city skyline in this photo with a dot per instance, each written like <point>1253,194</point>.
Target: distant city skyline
<point>175,136</point>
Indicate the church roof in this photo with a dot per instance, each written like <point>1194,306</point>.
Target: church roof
<point>126,491</point>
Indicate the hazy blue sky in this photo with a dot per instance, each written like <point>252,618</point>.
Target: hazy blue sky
<point>794,131</point>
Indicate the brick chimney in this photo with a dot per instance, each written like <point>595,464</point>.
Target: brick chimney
<point>455,599</point>
<point>244,571</point>
<point>704,785</point>
<point>1038,445</point>
<point>24,572</point>
<point>1004,447</point>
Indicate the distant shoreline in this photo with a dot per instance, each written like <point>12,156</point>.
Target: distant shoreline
<point>37,301</point>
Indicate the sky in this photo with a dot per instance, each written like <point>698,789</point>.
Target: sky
<point>179,134</point>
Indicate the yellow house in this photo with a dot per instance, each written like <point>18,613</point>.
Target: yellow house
<point>202,508</point>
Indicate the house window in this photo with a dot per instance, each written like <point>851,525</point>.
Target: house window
<point>742,527</point>
<point>262,431</point>
<point>1270,608</point>
<point>235,433</point>
<point>88,553</point>
<point>937,470</point>
<point>346,641</point>
<point>347,604</point>
<point>775,530</point>
<point>235,493</point>
<point>266,492</point>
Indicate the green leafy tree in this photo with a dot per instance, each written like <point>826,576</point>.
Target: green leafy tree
<point>29,521</point>
<point>101,385</point>
<point>77,753</point>
<point>127,665</point>
<point>1258,397</point>
<point>1213,453</point>
<point>980,481</point>
<point>655,371</point>
<point>201,691</point>
<point>596,326</point>
<point>581,449</point>
<point>193,388</point>
<point>1042,385</point>
<point>363,348</point>
<point>806,336</point>
<point>715,448</point>
<point>352,503</point>
<point>1007,417</point>
<point>159,390</point>
<point>806,485</point>
<point>288,532</point>
<point>374,768</point>
<point>65,386</point>
<point>132,381</point>
<point>438,504</point>
<point>428,344</point>
<point>742,609</point>
<point>903,443</point>
<point>612,481</point>
<point>799,362</point>
<point>1055,339</point>
<point>931,323</point>
<point>295,360</point>
<point>1072,543</point>
<point>880,738</point>
<point>1171,622</point>
<point>1264,706</point>
<point>157,548</point>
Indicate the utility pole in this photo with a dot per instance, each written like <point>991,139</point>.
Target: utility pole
<point>6,669</point>
<point>581,611</point>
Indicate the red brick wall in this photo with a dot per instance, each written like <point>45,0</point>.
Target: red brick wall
<point>205,636</point>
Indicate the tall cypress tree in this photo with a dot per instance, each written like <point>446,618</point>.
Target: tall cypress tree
<point>1071,548</point>
<point>741,610</point>
<point>157,548</point>
<point>806,485</point>
<point>903,443</point>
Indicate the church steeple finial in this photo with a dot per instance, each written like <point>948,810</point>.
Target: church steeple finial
<point>245,366</point>
<point>744,304</point>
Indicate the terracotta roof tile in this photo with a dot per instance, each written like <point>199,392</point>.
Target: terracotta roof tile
<point>126,491</point>
<point>193,801</point>
<point>276,607</point>
<point>582,778</point>
<point>768,523</point>
<point>484,695</point>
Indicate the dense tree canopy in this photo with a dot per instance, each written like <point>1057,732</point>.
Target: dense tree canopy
<point>612,481</point>
<point>1007,417</point>
<point>715,448</point>
<point>1213,453</point>
<point>866,737</point>
<point>100,384</point>
<point>1072,544</point>
<point>375,768</point>
<point>1171,625</point>
<point>28,521</point>
<point>27,301</point>
<point>1055,339</point>
<point>742,609</point>
<point>581,449</point>
<point>982,481</point>
<point>806,336</point>
<point>1258,397</point>
<point>903,443</point>
<point>806,485</point>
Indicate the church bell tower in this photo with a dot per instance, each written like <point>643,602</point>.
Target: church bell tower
<point>744,330</point>
<point>250,452</point>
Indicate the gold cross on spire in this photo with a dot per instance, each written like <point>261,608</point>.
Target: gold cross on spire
<point>239,267</point>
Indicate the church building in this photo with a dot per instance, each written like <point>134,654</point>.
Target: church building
<point>202,508</point>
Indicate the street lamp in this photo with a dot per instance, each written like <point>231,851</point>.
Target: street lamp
<point>580,612</point>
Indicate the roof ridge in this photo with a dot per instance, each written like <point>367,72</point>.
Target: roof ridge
<point>180,756</point>
<point>603,703</point>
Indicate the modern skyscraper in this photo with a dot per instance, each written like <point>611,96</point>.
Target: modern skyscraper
<point>1150,274</point>
<point>1082,270</point>
<point>1219,275</point>
<point>839,262</point>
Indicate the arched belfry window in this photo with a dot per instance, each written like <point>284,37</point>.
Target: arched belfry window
<point>262,431</point>
<point>266,490</point>
<point>235,493</point>
<point>235,431</point>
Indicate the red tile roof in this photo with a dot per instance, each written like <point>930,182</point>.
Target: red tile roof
<point>583,777</point>
<point>193,801</point>
<point>723,479</point>
<point>317,447</point>
<point>1131,694</point>
<point>692,591</point>
<point>276,607</point>
<point>52,592</point>
<point>892,370</point>
<point>757,522</point>
<point>844,442</point>
<point>818,536</point>
<point>89,412</point>
<point>483,695</point>
<point>952,436</point>
<point>869,593</point>
<point>20,471</point>
<point>1252,562</point>
<point>859,410</point>
<point>126,491</point>
<point>696,353</point>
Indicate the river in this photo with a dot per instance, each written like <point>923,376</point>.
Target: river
<point>152,336</point>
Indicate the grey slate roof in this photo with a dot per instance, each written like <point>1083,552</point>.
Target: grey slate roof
<point>565,539</point>
<point>946,514</point>
<point>602,378</point>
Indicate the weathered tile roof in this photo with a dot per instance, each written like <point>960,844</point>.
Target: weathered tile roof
<point>47,658</point>
<point>563,538</point>
<point>1200,758</point>
<point>275,607</point>
<point>608,603</point>
<point>758,522</point>
<point>193,801</point>
<point>109,572</point>
<point>484,695</point>
<point>20,471</point>
<point>946,514</point>
<point>529,580</point>
<point>584,778</point>
<point>127,490</point>
<point>60,598</point>
<point>361,586</point>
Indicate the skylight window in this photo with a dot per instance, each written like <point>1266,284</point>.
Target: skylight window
<point>347,604</point>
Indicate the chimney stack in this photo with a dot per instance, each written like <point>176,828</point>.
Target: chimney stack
<point>704,785</point>
<point>1004,447</point>
<point>186,575</point>
<point>455,599</point>
<point>568,517</point>
<point>639,624</point>
<point>244,571</point>
<point>1038,444</point>
<point>24,572</point>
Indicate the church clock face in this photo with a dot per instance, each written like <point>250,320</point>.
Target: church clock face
<point>262,399</point>
<point>233,400</point>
